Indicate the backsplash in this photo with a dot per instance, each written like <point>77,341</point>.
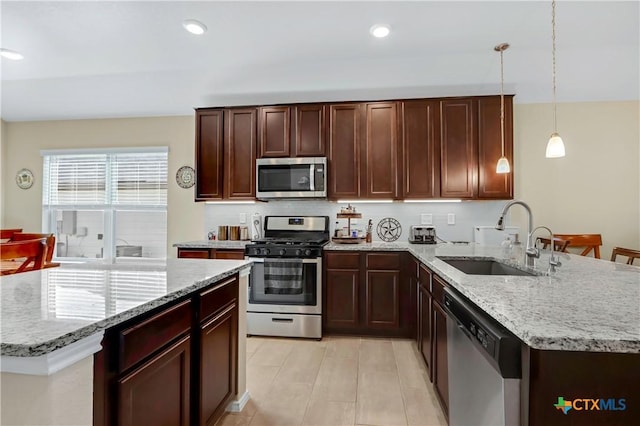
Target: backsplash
<point>467,214</point>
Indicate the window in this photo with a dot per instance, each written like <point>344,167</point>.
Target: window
<point>106,204</point>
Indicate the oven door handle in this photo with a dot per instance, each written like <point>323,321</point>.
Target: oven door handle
<point>261,260</point>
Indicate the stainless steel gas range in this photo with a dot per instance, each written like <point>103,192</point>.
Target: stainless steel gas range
<point>285,285</point>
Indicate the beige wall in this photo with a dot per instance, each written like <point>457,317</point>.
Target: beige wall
<point>26,139</point>
<point>596,187</point>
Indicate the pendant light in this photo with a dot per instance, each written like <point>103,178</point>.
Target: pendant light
<point>555,146</point>
<point>503,163</point>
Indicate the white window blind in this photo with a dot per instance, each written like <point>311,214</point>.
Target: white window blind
<point>75,179</point>
<point>139,179</point>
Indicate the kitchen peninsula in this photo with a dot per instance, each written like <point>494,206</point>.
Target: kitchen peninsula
<point>147,324</point>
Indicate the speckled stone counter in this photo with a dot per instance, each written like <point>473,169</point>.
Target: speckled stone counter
<point>49,309</point>
<point>587,305</point>
<point>215,244</point>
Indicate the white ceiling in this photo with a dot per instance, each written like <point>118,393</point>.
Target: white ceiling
<point>95,59</point>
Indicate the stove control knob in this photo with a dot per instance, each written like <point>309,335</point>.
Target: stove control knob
<point>265,251</point>
<point>282,252</point>
<point>298,252</point>
<point>307,252</point>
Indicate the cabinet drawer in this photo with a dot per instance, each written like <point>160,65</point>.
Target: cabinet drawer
<point>389,261</point>
<point>145,338</point>
<point>217,297</point>
<point>194,253</point>
<point>437,289</point>
<point>342,260</point>
<point>229,254</point>
<point>425,277</point>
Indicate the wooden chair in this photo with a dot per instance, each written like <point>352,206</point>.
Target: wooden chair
<point>630,253</point>
<point>6,234</point>
<point>51,243</point>
<point>588,241</point>
<point>19,255</point>
<point>559,244</point>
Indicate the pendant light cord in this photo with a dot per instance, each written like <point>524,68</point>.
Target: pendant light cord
<point>553,50</point>
<point>502,99</point>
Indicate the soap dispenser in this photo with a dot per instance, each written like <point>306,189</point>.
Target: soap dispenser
<point>506,247</point>
<point>517,252</point>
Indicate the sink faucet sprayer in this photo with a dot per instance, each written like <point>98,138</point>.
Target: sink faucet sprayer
<point>529,255</point>
<point>553,261</point>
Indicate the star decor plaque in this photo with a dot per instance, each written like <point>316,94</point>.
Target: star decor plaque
<point>24,179</point>
<point>186,177</point>
<point>389,229</point>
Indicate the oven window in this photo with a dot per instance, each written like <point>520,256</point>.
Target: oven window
<point>286,177</point>
<point>259,295</point>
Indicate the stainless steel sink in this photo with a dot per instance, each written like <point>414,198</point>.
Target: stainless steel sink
<point>484,267</point>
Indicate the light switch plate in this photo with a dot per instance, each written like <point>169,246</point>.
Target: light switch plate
<point>242,218</point>
<point>451,219</point>
<point>426,219</point>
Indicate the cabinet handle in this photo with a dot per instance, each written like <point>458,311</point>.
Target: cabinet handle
<point>282,319</point>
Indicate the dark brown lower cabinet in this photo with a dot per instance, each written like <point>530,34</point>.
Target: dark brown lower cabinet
<point>210,253</point>
<point>440,364</point>
<point>426,330</point>
<point>157,392</point>
<point>175,365</point>
<point>218,349</point>
<point>367,293</point>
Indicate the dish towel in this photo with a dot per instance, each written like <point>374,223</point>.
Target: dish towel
<point>283,276</point>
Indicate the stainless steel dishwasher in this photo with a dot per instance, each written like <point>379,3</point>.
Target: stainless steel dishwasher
<point>484,367</point>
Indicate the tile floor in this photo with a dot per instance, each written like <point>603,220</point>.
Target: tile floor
<point>337,381</point>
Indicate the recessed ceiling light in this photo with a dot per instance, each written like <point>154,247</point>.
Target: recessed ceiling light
<point>380,30</point>
<point>11,54</point>
<point>194,27</point>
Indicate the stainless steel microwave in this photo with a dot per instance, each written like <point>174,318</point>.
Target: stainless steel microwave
<point>291,178</point>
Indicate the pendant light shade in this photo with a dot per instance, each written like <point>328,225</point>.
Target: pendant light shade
<point>555,146</point>
<point>503,163</point>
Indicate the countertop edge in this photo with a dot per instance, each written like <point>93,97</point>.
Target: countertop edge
<point>44,348</point>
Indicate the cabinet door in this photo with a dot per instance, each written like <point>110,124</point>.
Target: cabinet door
<point>490,183</point>
<point>344,150</point>
<point>274,135</point>
<point>426,330</point>
<point>381,151</point>
<point>382,300</point>
<point>421,166</point>
<point>240,153</point>
<point>341,298</point>
<point>458,153</point>
<point>440,368</point>
<point>184,253</point>
<point>157,392</point>
<point>218,369</point>
<point>309,131</point>
<point>209,160</point>
<point>228,254</point>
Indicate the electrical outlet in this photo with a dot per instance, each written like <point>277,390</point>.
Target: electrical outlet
<point>99,236</point>
<point>242,217</point>
<point>426,219</point>
<point>451,219</point>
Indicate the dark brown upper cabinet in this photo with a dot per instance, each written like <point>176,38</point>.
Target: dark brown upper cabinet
<point>209,160</point>
<point>345,136</point>
<point>309,130</point>
<point>420,149</point>
<point>458,148</point>
<point>274,135</point>
<point>490,183</point>
<point>380,151</point>
<point>240,153</point>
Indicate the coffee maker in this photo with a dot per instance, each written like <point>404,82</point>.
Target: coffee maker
<point>422,235</point>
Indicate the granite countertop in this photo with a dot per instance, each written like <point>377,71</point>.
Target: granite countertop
<point>587,305</point>
<point>51,308</point>
<point>215,244</point>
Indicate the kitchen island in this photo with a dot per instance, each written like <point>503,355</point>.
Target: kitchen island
<point>53,322</point>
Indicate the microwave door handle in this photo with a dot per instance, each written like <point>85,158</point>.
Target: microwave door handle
<point>312,180</point>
